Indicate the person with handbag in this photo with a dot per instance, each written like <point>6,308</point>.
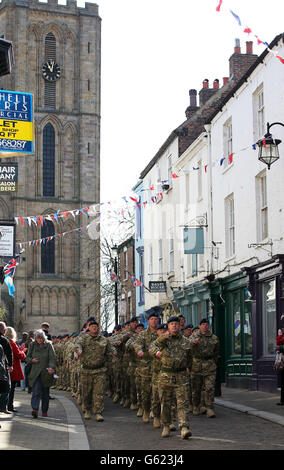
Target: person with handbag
<point>280,348</point>
<point>42,357</point>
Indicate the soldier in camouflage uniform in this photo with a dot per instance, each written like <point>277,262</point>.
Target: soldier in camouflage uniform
<point>205,350</point>
<point>135,399</point>
<point>117,364</point>
<point>131,365</point>
<point>173,349</point>
<point>141,347</point>
<point>125,335</point>
<point>156,367</point>
<point>95,354</point>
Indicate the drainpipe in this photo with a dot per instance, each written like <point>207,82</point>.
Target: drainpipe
<point>210,197</point>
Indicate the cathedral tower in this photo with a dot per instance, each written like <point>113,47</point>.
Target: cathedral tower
<point>57,55</point>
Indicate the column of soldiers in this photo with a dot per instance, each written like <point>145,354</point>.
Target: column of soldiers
<point>163,372</point>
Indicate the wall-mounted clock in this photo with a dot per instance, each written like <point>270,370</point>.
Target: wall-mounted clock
<point>51,71</point>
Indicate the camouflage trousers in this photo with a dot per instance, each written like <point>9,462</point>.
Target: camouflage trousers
<point>138,381</point>
<point>117,378</point>
<point>125,381</point>
<point>93,389</point>
<point>146,387</point>
<point>156,403</point>
<point>203,386</point>
<point>173,387</point>
<point>132,383</point>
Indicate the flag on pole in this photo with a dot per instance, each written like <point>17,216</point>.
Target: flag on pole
<point>113,276</point>
<point>136,282</point>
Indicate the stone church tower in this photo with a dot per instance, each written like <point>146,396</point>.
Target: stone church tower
<point>57,59</point>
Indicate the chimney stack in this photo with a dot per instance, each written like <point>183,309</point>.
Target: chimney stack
<point>225,79</point>
<point>192,108</point>
<point>249,45</point>
<point>237,49</point>
<point>240,63</point>
<point>216,84</point>
<point>192,97</point>
<point>205,83</point>
<point>206,92</point>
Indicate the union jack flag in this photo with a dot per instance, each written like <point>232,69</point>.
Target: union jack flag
<point>136,282</point>
<point>9,269</point>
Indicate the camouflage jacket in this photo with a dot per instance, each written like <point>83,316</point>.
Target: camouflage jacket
<point>204,353</point>
<point>96,351</point>
<point>143,342</point>
<point>175,352</point>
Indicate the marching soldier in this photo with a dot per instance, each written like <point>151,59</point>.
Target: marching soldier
<point>141,346</point>
<point>173,349</point>
<point>205,350</point>
<point>95,355</point>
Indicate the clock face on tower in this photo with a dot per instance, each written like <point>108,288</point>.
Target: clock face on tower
<point>51,71</point>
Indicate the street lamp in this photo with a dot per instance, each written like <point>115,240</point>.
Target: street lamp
<point>268,147</point>
<point>115,266</point>
<point>6,57</point>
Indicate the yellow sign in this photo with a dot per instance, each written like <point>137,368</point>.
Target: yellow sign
<point>16,123</point>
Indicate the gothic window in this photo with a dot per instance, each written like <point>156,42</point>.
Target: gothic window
<point>47,249</point>
<point>50,87</point>
<point>48,169</point>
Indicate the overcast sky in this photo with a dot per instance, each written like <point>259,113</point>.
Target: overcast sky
<point>153,52</point>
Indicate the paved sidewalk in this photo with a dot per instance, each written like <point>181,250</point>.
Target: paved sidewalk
<point>254,403</point>
<point>63,429</point>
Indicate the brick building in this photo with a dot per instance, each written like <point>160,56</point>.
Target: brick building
<point>59,280</point>
<point>126,263</point>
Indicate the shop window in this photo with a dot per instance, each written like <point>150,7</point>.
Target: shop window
<point>236,340</point>
<point>268,317</point>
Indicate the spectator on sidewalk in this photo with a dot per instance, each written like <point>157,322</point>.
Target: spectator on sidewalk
<point>8,367</point>
<point>45,327</point>
<point>17,373</point>
<point>280,347</point>
<point>23,346</point>
<point>30,340</point>
<point>42,357</point>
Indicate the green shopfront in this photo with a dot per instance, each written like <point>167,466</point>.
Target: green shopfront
<point>226,301</point>
<point>233,325</point>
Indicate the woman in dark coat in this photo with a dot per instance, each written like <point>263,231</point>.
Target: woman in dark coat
<point>42,357</point>
<point>4,374</point>
<point>17,373</point>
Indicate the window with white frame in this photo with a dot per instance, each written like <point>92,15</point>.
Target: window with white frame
<point>160,252</point>
<point>227,142</point>
<point>261,207</point>
<point>229,226</point>
<point>170,170</point>
<point>171,251</point>
<point>258,113</point>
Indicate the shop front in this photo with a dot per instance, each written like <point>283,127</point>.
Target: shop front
<point>233,326</point>
<point>266,288</point>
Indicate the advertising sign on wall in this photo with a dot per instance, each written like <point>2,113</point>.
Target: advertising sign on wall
<point>16,123</point>
<point>8,177</point>
<point>7,238</point>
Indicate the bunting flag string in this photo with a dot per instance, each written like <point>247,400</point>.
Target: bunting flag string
<point>43,241</point>
<point>39,220</point>
<point>249,31</point>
